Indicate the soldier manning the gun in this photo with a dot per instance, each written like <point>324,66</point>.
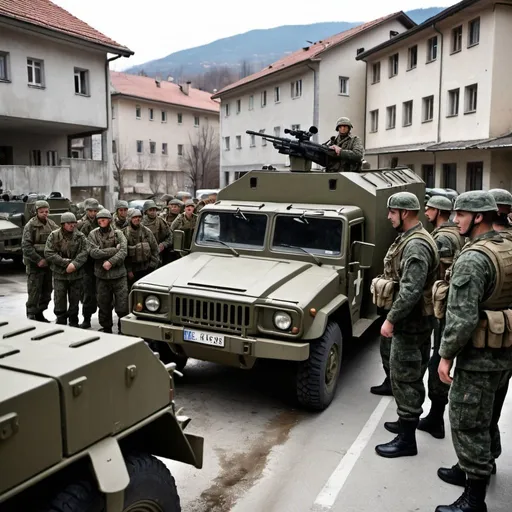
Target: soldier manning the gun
<point>66,251</point>
<point>410,267</point>
<point>348,148</point>
<point>108,248</point>
<point>119,219</point>
<point>142,248</point>
<point>159,228</point>
<point>39,275</point>
<point>478,334</point>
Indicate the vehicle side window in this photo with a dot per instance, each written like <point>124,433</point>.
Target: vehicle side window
<point>356,235</point>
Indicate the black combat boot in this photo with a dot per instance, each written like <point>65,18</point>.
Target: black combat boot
<point>433,423</point>
<point>41,318</point>
<point>86,324</point>
<point>30,316</point>
<point>392,426</point>
<point>472,499</point>
<point>384,389</point>
<point>456,476</point>
<point>61,320</point>
<point>106,330</point>
<point>119,326</point>
<point>404,443</point>
<point>73,321</point>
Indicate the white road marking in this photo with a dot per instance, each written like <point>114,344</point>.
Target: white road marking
<point>328,495</point>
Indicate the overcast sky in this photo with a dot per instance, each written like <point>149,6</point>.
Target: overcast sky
<point>156,28</point>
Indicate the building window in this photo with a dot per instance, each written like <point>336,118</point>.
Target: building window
<point>51,158</point>
<point>180,118</point>
<point>428,109</point>
<point>295,127</point>
<point>196,121</point>
<point>264,98</point>
<point>238,142</point>
<point>457,39</point>
<point>474,32</point>
<point>296,89</point>
<point>251,102</point>
<point>180,149</point>
<point>450,176</point>
<point>226,143</point>
<point>343,83</point>
<point>140,146</point>
<point>81,82</point>
<point>113,111</point>
<point>140,177</point>
<point>114,146</point>
<point>453,102</point>
<point>407,113</point>
<point>393,65</point>
<point>152,147</point>
<point>376,73</point>
<point>4,66</point>
<point>164,116</point>
<point>474,175</point>
<point>253,141</point>
<point>137,111</point>
<point>226,177</point>
<point>432,49</point>
<point>35,70</point>
<point>277,131</point>
<point>35,157</point>
<point>164,148</point>
<point>151,114</point>
<point>391,117</point>
<point>277,94</point>
<point>412,57</point>
<point>471,98</point>
<point>429,176</point>
<point>226,110</point>
<point>263,141</point>
<point>374,121</point>
<point>238,106</point>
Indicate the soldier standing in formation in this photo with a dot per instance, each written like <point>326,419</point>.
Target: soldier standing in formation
<point>174,207</point>
<point>349,148</point>
<point>108,248</point>
<point>411,262</point>
<point>501,221</point>
<point>186,220</point>
<point>478,305</point>
<point>66,251</point>
<point>159,228</point>
<point>142,248</point>
<point>119,218</point>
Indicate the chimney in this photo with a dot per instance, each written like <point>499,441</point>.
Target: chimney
<point>170,78</point>
<point>185,88</point>
<point>157,82</point>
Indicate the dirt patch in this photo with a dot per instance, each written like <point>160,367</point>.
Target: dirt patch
<point>239,471</point>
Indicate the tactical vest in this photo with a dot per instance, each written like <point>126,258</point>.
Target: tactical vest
<point>155,226</point>
<point>66,246</point>
<point>41,234</point>
<point>457,242</point>
<point>139,250</point>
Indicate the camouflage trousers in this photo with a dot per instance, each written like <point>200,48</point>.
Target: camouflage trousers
<point>437,390</point>
<point>111,292</point>
<point>89,303</point>
<point>476,401</point>
<point>67,292</point>
<point>39,289</point>
<point>410,353</point>
<point>385,354</point>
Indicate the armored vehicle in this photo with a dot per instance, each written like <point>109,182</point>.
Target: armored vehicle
<point>82,418</point>
<point>280,267</point>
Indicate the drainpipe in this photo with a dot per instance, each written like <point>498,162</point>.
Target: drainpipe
<point>440,82</point>
<point>316,100</point>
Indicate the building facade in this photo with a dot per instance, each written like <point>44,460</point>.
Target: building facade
<point>438,100</point>
<point>313,86</point>
<point>161,131</point>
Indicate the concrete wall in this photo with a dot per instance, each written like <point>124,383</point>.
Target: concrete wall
<point>23,179</point>
<point>86,173</point>
<point>23,143</point>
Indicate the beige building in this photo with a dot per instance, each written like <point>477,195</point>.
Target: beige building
<point>156,126</point>
<point>53,90</point>
<point>312,86</point>
<point>439,98</point>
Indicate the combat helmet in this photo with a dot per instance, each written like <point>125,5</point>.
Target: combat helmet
<point>501,196</point>
<point>440,202</point>
<point>92,204</point>
<point>121,204</point>
<point>403,201</point>
<point>104,214</point>
<point>149,204</point>
<point>175,201</point>
<point>190,202</point>
<point>475,201</point>
<point>41,204</point>
<point>67,217</point>
<point>134,212</point>
<point>344,121</point>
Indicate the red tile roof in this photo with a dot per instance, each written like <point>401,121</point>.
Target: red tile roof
<point>44,13</point>
<point>315,50</point>
<point>145,88</point>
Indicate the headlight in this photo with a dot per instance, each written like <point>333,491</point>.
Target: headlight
<point>152,303</point>
<point>282,320</point>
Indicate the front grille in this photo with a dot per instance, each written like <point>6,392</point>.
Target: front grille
<point>220,315</point>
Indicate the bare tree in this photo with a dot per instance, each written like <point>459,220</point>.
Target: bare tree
<point>201,158</point>
<point>157,182</point>
<point>121,165</point>
<point>245,69</point>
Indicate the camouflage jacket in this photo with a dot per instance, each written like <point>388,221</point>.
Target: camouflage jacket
<point>140,235</point>
<point>86,225</point>
<point>473,279</point>
<point>183,223</point>
<point>33,242</point>
<point>118,222</point>
<point>160,230</point>
<point>103,247</point>
<point>447,246</point>
<point>62,249</point>
<point>169,217</point>
<point>351,156</point>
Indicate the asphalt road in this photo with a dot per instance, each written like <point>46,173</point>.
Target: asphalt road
<point>262,453</point>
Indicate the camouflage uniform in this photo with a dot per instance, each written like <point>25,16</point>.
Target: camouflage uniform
<point>352,150</point>
<point>39,279</point>
<point>111,285</point>
<point>187,225</point>
<point>159,228</point>
<point>117,221</point>
<point>63,248</point>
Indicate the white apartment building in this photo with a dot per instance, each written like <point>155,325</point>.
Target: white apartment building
<point>53,90</point>
<point>156,125</point>
<point>439,98</point>
<point>312,86</point>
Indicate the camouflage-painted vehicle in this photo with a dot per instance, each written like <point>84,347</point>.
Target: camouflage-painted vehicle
<point>82,417</point>
<point>15,212</point>
<point>280,267</point>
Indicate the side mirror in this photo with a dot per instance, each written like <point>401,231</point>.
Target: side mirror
<point>362,252</point>
<point>177,239</point>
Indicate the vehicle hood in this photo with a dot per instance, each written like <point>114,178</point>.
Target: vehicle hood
<point>287,280</point>
<point>9,230</point>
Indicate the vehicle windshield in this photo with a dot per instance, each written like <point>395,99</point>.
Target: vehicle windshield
<point>315,235</point>
<point>237,229</point>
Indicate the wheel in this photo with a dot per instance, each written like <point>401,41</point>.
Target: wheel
<point>151,489</point>
<point>167,355</point>
<point>317,377</point>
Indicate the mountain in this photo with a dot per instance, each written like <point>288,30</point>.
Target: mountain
<point>255,49</point>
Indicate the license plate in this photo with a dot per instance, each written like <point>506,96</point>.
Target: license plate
<point>207,338</point>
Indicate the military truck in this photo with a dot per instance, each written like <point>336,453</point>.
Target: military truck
<point>15,212</point>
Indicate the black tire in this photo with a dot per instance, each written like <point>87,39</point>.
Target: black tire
<point>316,380</point>
<point>151,487</point>
<point>168,356</point>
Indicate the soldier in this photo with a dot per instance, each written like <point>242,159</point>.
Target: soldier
<point>410,265</point>
<point>501,221</point>
<point>478,307</point>
<point>39,275</point>
<point>66,251</point>
<point>87,224</point>
<point>142,248</point>
<point>349,148</point>
<point>206,199</point>
<point>119,218</point>
<point>108,248</point>
<point>159,228</point>
<point>174,207</point>
<point>186,221</point>
<point>449,243</point>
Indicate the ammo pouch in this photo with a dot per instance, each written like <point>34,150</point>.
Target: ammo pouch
<point>507,335</point>
<point>383,291</point>
<point>141,252</point>
<point>490,331</point>
<point>439,296</point>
